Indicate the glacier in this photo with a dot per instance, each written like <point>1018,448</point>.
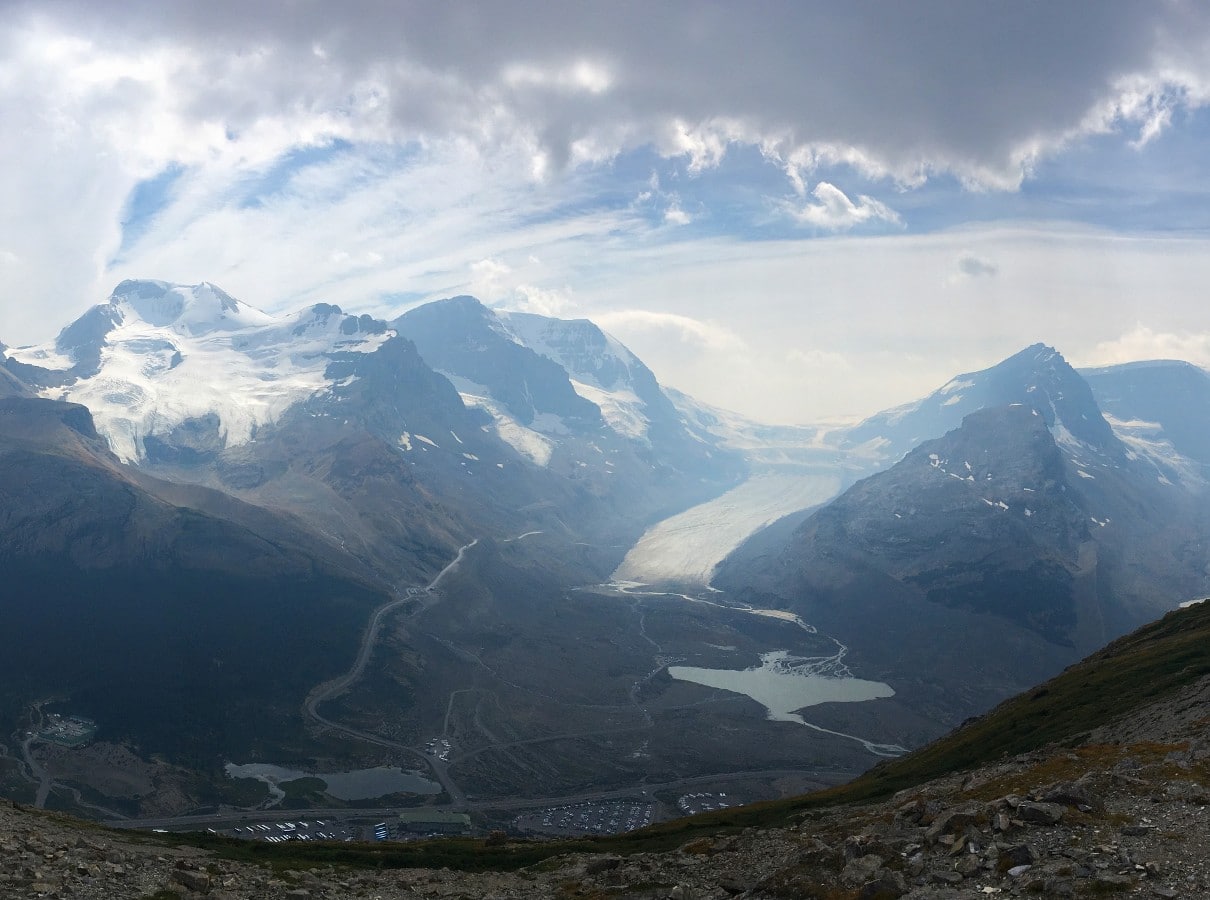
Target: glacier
<point>686,548</point>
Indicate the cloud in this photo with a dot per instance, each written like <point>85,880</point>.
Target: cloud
<point>818,359</point>
<point>836,212</point>
<point>500,285</point>
<point>674,215</point>
<point>688,330</point>
<point>654,199</point>
<point>907,90</point>
<point>876,302</point>
<point>543,301</point>
<point>583,76</point>
<point>1142,342</point>
<point>969,266</point>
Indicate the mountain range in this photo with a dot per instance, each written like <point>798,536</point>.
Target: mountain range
<point>1019,531</point>
<point>205,504</point>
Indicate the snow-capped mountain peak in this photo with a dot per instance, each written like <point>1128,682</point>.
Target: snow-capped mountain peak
<point>1037,377</point>
<point>589,355</point>
<point>553,383</point>
<point>193,309</point>
<point>157,356</point>
<point>600,368</point>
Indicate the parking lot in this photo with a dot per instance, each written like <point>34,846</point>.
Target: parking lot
<point>295,830</point>
<point>611,817</point>
<point>691,804</point>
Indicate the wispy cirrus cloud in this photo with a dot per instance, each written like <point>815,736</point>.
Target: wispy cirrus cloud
<point>687,329</point>
<point>372,154</point>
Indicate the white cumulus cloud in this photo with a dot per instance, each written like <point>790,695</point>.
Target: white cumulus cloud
<point>836,212</point>
<point>1142,342</point>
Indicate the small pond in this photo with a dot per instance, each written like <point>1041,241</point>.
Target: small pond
<point>358,784</point>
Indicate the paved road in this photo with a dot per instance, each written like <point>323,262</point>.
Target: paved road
<point>337,686</point>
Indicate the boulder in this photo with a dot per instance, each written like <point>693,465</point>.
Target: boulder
<point>888,886</point>
<point>195,881</point>
<point>1040,813</point>
<point>1073,793</point>
<point>861,870</point>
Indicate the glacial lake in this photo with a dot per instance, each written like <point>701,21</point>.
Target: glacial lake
<point>781,686</point>
<point>358,784</point>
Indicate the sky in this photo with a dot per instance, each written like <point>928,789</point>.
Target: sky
<point>801,211</point>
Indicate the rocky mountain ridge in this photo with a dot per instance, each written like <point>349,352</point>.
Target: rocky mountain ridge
<point>197,387</point>
<point>1038,377</point>
<point>994,554</point>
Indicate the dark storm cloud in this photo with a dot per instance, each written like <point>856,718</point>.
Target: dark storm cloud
<point>974,88</point>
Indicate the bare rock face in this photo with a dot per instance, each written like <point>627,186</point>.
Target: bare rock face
<point>1077,794</point>
<point>10,384</point>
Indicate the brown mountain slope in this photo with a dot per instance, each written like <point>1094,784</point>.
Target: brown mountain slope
<point>184,622</point>
<point>1108,795</point>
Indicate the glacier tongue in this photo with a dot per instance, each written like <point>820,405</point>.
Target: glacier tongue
<point>687,548</point>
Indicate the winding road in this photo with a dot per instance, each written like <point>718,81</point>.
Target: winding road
<point>337,686</point>
<point>333,688</point>
<point>424,598</point>
<point>831,665</point>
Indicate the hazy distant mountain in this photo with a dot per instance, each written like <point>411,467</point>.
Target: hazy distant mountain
<point>574,402</point>
<point>810,448</point>
<point>546,381</point>
<point>1038,376</point>
<point>1161,410</point>
<point>631,401</point>
<point>462,338</point>
<point>1025,536</point>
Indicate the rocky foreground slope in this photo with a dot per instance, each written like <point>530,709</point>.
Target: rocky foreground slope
<point>1109,794</point>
